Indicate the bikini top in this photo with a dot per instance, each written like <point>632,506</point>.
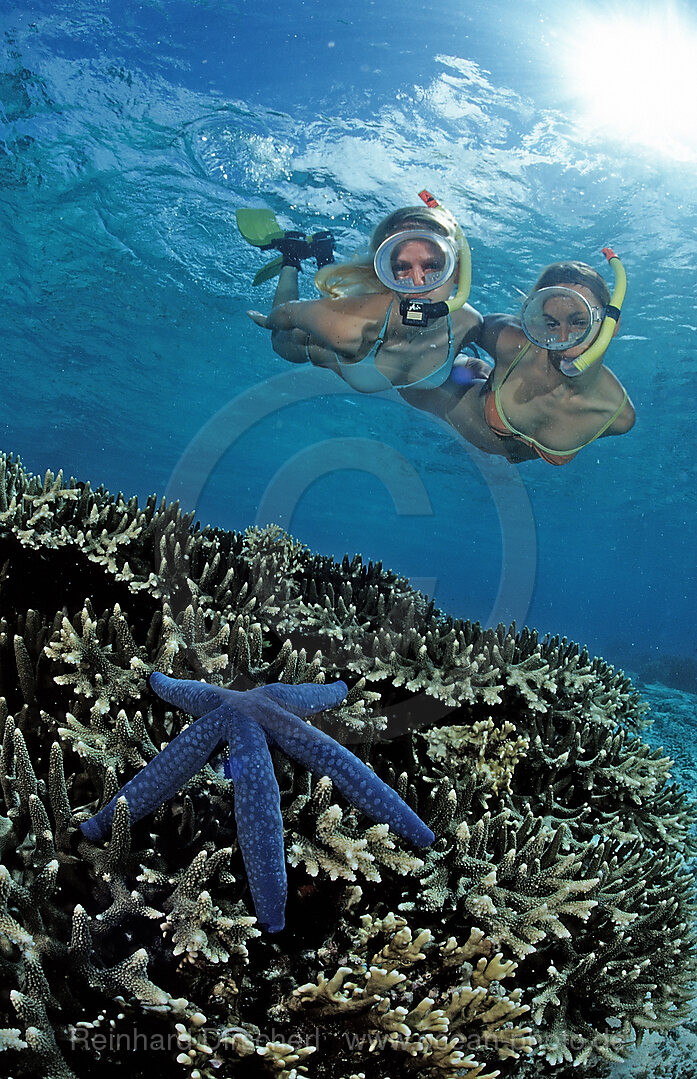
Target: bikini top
<point>541,449</point>
<point>364,376</point>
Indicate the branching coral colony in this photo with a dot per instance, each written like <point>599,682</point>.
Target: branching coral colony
<point>547,927</point>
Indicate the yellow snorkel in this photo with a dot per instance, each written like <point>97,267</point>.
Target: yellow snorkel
<point>463,248</point>
<point>597,350</point>
<point>465,283</point>
<point>417,312</point>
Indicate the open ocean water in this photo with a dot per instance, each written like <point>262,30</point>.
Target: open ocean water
<point>130,134</point>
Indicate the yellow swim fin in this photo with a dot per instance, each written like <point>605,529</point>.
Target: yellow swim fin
<point>269,270</point>
<point>259,227</point>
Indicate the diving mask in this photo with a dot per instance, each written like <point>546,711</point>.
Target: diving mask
<point>415,261</point>
<point>559,318</point>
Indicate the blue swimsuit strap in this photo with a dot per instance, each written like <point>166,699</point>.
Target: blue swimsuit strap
<point>380,339</point>
<point>383,332</point>
<point>447,362</point>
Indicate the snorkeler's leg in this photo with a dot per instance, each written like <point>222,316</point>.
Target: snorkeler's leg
<point>291,343</point>
<point>287,287</point>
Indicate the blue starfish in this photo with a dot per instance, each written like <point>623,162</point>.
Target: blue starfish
<point>248,720</point>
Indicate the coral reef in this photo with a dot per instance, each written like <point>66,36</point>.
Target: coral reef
<point>548,927</point>
<point>672,1055</point>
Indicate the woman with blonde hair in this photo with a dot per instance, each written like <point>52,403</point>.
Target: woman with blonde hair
<point>395,318</point>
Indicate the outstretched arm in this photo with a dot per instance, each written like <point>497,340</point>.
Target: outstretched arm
<point>314,330</point>
<point>287,341</point>
<point>334,324</point>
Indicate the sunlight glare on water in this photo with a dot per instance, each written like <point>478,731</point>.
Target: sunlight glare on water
<point>635,75</point>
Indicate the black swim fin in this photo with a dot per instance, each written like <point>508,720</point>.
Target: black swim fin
<point>260,228</point>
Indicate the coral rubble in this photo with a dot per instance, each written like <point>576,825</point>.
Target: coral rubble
<point>548,927</point>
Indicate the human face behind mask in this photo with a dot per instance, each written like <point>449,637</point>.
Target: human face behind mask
<point>563,319</point>
<point>415,262</point>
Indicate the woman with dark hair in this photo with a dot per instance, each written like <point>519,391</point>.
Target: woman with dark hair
<point>549,394</point>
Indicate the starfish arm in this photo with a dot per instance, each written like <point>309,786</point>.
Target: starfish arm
<point>324,756</point>
<point>246,719</point>
<point>196,698</point>
<point>166,773</point>
<point>259,820</point>
<point>308,698</point>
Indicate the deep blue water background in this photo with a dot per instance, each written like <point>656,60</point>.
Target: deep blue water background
<point>129,134</point>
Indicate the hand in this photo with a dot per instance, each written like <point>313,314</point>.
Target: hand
<point>472,370</point>
<point>260,319</point>
<point>478,367</point>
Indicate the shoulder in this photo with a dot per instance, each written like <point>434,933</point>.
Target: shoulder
<point>502,337</point>
<point>626,418</point>
<point>467,323</point>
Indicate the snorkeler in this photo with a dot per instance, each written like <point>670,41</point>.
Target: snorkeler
<point>395,319</point>
<point>549,394</point>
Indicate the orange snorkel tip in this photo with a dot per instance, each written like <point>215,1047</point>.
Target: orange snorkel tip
<point>428,198</point>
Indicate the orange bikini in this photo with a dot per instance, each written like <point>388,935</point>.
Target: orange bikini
<point>498,423</point>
